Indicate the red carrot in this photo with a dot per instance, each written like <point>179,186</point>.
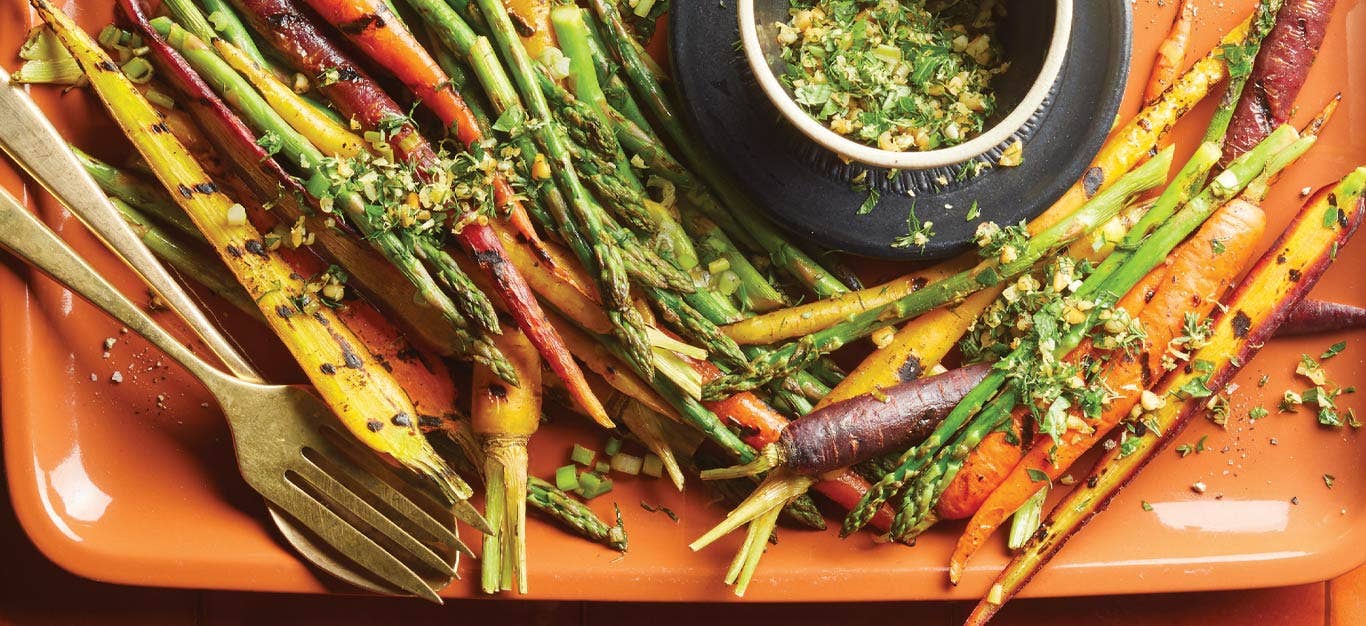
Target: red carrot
<point>1279,72</point>
<point>358,96</point>
<point>760,426</point>
<point>1317,316</point>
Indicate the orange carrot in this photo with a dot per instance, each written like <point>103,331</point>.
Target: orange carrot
<point>1197,273</point>
<point>1171,55</point>
<point>993,459</point>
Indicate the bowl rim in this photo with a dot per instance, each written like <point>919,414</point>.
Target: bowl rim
<point>868,155</point>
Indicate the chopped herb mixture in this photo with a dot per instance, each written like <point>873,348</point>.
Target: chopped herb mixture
<point>1036,312</point>
<point>903,75</point>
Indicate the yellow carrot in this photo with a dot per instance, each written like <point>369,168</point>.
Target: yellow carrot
<point>504,418</point>
<point>915,349</point>
<point>331,138</point>
<point>370,404</point>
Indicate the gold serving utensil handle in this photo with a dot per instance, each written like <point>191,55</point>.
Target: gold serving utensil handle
<point>32,142</point>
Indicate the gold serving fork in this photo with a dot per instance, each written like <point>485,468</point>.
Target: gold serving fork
<point>335,503</point>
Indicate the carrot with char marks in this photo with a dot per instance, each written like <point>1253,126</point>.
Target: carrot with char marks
<point>367,400</point>
<point>1281,67</point>
<point>1197,270</point>
<point>1256,308</point>
<point>358,96</point>
<point>999,452</point>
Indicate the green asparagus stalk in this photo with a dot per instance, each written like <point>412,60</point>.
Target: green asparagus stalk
<point>784,255</point>
<point>227,24</point>
<point>193,262</point>
<point>609,76</point>
<point>574,515</point>
<point>573,36</point>
<point>141,195</point>
<point>1108,286</point>
<point>1097,211</point>
<point>605,259</point>
<point>755,292</point>
<point>301,154</point>
<point>1239,61</point>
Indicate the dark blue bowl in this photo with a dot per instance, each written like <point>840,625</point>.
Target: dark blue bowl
<point>810,191</point>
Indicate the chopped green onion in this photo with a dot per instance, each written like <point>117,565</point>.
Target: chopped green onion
<point>727,282</point>
<point>602,467</point>
<point>1026,520</point>
<point>592,485</point>
<point>652,466</point>
<point>628,464</point>
<point>160,99</point>
<point>567,478</point>
<point>719,265</point>
<point>581,455</point>
<point>110,36</point>
<point>613,447</point>
<point>138,70</point>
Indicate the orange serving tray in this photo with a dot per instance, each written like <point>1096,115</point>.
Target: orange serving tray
<point>115,487</point>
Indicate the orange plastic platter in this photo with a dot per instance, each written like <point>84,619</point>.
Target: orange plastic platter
<point>114,487</point>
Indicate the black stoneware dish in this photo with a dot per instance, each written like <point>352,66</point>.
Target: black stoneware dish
<point>813,193</point>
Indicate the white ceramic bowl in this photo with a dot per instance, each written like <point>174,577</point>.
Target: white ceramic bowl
<point>758,37</point>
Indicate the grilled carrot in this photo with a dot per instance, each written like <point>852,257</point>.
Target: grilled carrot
<point>999,452</point>
<point>532,19</point>
<point>1198,271</point>
<point>1171,54</point>
<point>1279,72</point>
<point>504,418</point>
<point>366,399</point>
<point>423,375</point>
<point>357,95</point>
<point>761,426</point>
<point>1273,287</point>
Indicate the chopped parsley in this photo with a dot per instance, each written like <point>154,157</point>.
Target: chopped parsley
<point>271,142</point>
<point>1333,350</point>
<point>870,202</point>
<point>918,233</point>
<point>1217,246</point>
<point>894,75</point>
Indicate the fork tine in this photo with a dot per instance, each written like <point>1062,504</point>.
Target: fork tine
<point>341,496</point>
<point>348,540</point>
<point>407,483</point>
<point>364,482</point>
